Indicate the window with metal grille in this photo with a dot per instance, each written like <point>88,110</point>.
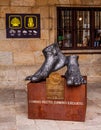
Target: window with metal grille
<point>79,28</point>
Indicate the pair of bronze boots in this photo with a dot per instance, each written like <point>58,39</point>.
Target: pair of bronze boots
<point>55,60</point>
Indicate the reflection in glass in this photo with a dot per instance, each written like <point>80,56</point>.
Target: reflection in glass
<point>83,29</point>
<point>79,28</point>
<point>65,24</point>
<point>67,37</point>
<point>97,37</point>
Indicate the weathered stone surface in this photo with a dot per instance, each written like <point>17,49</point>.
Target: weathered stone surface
<point>95,70</point>
<point>52,12</point>
<point>6,58</point>
<point>11,75</point>
<point>85,59</point>
<point>39,58</point>
<point>64,1</point>
<point>45,23</point>
<point>53,2</point>
<point>37,44</point>
<point>23,71</point>
<point>97,2</point>
<point>5,45</point>
<point>44,10</point>
<point>84,69</point>
<point>2,24</point>
<point>8,9</point>
<point>52,36</point>
<point>22,2</point>
<point>90,64</point>
<point>4,2</point>
<point>24,58</point>
<point>94,79</point>
<point>4,10</point>
<point>45,34</point>
<point>51,26</point>
<point>2,34</point>
<point>8,73</point>
<point>75,2</point>
<point>12,45</point>
<point>96,59</point>
<point>22,45</point>
<point>41,2</point>
<point>35,10</point>
<point>87,2</point>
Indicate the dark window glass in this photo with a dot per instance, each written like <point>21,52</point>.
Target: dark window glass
<point>79,28</point>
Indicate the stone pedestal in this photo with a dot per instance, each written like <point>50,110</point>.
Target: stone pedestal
<point>69,104</point>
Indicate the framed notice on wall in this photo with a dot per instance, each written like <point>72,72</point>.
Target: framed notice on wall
<point>23,25</point>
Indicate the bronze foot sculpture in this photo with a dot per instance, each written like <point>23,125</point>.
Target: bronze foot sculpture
<point>73,75</point>
<point>55,60</point>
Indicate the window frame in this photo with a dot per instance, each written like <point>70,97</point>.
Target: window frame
<point>91,48</point>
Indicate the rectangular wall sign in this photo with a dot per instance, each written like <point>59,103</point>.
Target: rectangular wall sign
<point>23,25</point>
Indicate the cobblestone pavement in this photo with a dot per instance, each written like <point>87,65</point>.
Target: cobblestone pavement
<point>14,116</point>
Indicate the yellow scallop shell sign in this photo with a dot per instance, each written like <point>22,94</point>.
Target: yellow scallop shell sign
<point>15,22</point>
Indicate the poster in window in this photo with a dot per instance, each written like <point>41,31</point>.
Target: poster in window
<point>23,25</point>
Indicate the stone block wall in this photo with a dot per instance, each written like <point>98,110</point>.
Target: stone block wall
<point>22,57</point>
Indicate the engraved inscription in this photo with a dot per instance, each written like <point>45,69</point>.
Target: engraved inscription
<point>56,102</point>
